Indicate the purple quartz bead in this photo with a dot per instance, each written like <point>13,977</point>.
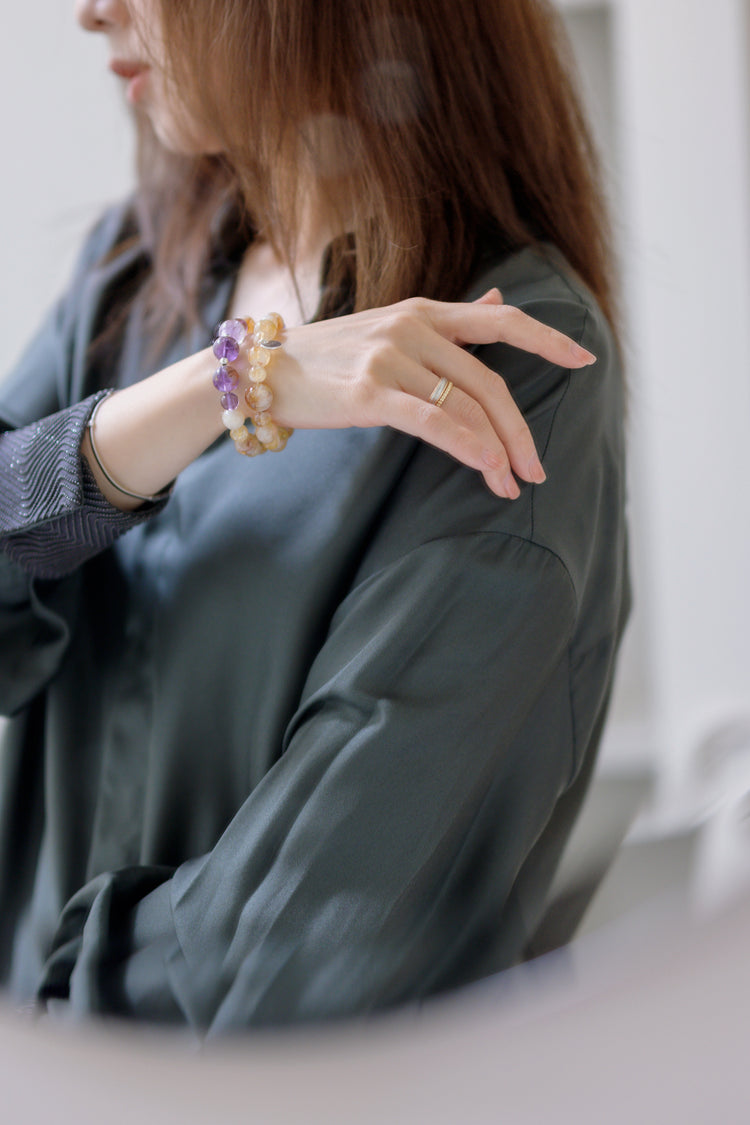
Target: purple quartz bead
<point>236,329</point>
<point>226,379</point>
<point>229,401</point>
<point>226,348</point>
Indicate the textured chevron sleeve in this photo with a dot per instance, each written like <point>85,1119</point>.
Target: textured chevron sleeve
<point>52,515</point>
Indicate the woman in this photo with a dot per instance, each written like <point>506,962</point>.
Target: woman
<point>308,740</point>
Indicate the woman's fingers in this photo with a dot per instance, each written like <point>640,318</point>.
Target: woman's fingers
<point>481,401</point>
<point>488,391</point>
<point>491,297</point>
<point>435,425</point>
<point>487,322</point>
<point>466,427</point>
<point>486,423</point>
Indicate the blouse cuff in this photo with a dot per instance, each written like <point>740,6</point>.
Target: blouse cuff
<point>53,516</point>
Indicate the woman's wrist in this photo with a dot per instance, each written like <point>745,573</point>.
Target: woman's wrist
<point>102,468</point>
<point>146,434</point>
<point>243,342</point>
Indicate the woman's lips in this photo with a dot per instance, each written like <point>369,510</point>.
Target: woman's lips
<point>136,72</point>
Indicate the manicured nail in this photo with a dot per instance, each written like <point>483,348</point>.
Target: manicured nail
<point>581,355</point>
<point>536,472</point>
<point>511,488</point>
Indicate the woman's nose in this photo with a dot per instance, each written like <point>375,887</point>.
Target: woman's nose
<point>101,15</point>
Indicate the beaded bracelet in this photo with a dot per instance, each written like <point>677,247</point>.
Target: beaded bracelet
<point>261,339</point>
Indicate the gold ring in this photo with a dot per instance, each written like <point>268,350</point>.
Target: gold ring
<point>441,392</point>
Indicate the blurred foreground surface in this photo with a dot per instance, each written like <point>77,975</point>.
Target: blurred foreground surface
<point>646,1020</point>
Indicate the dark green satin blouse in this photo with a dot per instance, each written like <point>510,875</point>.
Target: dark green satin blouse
<point>307,742</point>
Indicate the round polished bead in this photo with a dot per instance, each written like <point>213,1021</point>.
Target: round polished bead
<point>266,329</point>
<point>226,348</point>
<point>252,447</point>
<point>225,378</point>
<point>257,374</point>
<point>259,357</point>
<point>232,419</point>
<point>240,434</point>
<point>262,418</point>
<point>259,397</point>
<point>242,443</point>
<point>272,318</point>
<point>266,434</point>
<point>236,329</point>
<point>229,401</point>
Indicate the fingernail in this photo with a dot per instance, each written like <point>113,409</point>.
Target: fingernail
<point>581,355</point>
<point>511,488</point>
<point>536,472</point>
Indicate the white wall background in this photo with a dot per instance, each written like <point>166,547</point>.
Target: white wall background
<point>667,85</point>
<point>65,148</point>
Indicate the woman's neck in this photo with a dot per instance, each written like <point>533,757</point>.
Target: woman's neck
<point>264,282</point>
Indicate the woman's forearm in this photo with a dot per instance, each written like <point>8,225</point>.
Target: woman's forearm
<point>148,433</point>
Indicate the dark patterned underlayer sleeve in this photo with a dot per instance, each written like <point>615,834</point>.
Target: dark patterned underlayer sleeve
<point>52,514</point>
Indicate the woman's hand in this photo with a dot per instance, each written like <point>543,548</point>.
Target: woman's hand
<point>379,368</point>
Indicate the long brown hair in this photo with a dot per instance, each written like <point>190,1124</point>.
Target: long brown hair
<point>456,123</point>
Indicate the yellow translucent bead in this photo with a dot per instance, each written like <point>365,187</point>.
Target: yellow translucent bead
<point>252,447</point>
<point>240,434</point>
<point>257,374</point>
<point>259,357</point>
<point>276,318</point>
<point>267,434</point>
<point>262,418</point>
<point>250,324</point>
<point>259,397</point>
<point>267,328</point>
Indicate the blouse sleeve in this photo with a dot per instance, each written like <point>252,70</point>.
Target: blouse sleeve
<point>53,517</point>
<point>52,514</point>
<point>379,855</point>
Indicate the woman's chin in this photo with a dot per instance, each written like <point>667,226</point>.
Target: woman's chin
<point>177,138</point>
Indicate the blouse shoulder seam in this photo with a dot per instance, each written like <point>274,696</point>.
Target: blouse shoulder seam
<point>499,534</point>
